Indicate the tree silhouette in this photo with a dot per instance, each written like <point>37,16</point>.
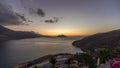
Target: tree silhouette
<point>85,59</point>
<point>104,54</point>
<point>53,61</point>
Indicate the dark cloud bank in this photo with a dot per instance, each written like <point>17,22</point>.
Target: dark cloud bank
<point>9,17</point>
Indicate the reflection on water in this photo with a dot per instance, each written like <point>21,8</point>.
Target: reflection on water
<point>19,51</point>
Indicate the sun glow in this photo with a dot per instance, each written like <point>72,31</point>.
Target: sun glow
<point>57,32</point>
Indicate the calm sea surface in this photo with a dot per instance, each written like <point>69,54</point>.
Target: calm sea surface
<point>20,51</point>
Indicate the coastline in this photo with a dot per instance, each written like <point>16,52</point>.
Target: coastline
<point>41,59</point>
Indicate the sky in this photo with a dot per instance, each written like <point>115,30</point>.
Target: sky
<point>55,17</point>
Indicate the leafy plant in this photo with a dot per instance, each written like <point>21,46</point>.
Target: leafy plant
<point>86,59</point>
<point>53,61</point>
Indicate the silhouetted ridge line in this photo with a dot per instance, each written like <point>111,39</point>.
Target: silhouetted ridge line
<point>99,40</point>
<point>7,34</point>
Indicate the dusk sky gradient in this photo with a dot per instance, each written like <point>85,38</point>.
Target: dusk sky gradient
<point>76,17</point>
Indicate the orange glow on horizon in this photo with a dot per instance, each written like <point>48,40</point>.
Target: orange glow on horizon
<point>67,34</point>
<point>52,32</point>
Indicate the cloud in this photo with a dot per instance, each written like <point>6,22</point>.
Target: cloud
<point>49,21</point>
<point>30,21</point>
<point>54,20</point>
<point>40,12</point>
<point>21,16</point>
<point>32,9</point>
<point>9,17</point>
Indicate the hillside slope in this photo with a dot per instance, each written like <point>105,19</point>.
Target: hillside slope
<point>107,39</point>
<point>7,34</point>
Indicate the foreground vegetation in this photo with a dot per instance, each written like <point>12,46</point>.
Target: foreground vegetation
<point>89,59</point>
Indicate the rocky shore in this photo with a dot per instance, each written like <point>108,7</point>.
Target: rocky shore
<point>40,60</point>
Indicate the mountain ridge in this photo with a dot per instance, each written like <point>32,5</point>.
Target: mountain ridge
<point>99,40</point>
<point>8,34</point>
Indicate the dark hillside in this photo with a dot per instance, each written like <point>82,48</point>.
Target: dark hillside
<point>108,39</point>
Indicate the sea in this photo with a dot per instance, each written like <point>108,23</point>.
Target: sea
<point>20,51</point>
